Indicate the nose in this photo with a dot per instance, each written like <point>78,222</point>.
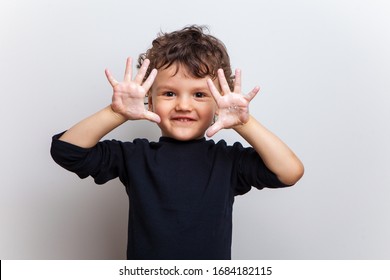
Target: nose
<point>184,103</point>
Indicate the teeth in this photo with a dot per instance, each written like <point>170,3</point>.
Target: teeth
<point>183,120</point>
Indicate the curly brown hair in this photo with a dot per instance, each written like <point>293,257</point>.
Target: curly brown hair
<point>192,47</point>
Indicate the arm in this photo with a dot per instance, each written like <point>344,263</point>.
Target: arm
<point>233,113</point>
<point>89,131</point>
<point>276,155</point>
<point>127,104</point>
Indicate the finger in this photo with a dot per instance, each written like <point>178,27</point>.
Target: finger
<point>252,94</point>
<point>110,78</point>
<point>214,91</point>
<point>223,82</point>
<point>128,70</point>
<point>212,130</point>
<point>237,81</point>
<point>141,72</point>
<point>149,81</point>
<point>152,117</point>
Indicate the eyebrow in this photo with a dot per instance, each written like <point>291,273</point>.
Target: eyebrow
<point>173,88</point>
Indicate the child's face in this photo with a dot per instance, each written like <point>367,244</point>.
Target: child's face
<point>184,104</point>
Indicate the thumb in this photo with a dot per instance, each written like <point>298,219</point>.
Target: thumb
<point>212,130</point>
<point>153,117</point>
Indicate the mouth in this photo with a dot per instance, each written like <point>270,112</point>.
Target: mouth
<point>183,119</point>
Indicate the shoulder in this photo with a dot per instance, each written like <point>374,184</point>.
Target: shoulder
<point>134,142</point>
<point>234,150</point>
<point>137,144</point>
<point>235,147</point>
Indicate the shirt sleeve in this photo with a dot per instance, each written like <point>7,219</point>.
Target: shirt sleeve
<point>104,161</point>
<point>252,171</point>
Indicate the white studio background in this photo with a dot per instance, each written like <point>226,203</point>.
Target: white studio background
<point>324,70</point>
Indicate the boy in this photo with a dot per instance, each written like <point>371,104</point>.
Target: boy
<point>181,189</point>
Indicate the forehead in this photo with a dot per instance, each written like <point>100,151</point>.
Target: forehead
<point>178,75</point>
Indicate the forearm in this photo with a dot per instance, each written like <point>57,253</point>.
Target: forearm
<point>276,155</point>
<point>89,131</point>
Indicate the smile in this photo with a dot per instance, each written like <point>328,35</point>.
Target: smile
<point>183,119</point>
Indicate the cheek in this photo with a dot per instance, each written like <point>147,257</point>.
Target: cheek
<point>209,111</point>
<point>161,108</point>
<point>154,104</point>
<point>213,108</point>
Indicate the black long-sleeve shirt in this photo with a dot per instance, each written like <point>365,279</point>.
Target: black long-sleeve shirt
<point>181,193</point>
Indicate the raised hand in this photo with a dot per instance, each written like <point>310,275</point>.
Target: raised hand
<point>233,107</point>
<point>129,95</point>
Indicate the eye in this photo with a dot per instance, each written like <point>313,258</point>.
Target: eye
<point>169,94</point>
<point>199,95</point>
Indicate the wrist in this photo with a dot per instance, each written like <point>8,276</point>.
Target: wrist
<point>243,125</point>
<point>117,116</point>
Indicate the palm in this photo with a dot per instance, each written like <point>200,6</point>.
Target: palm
<point>128,100</point>
<point>129,95</point>
<point>233,110</point>
<point>232,106</point>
